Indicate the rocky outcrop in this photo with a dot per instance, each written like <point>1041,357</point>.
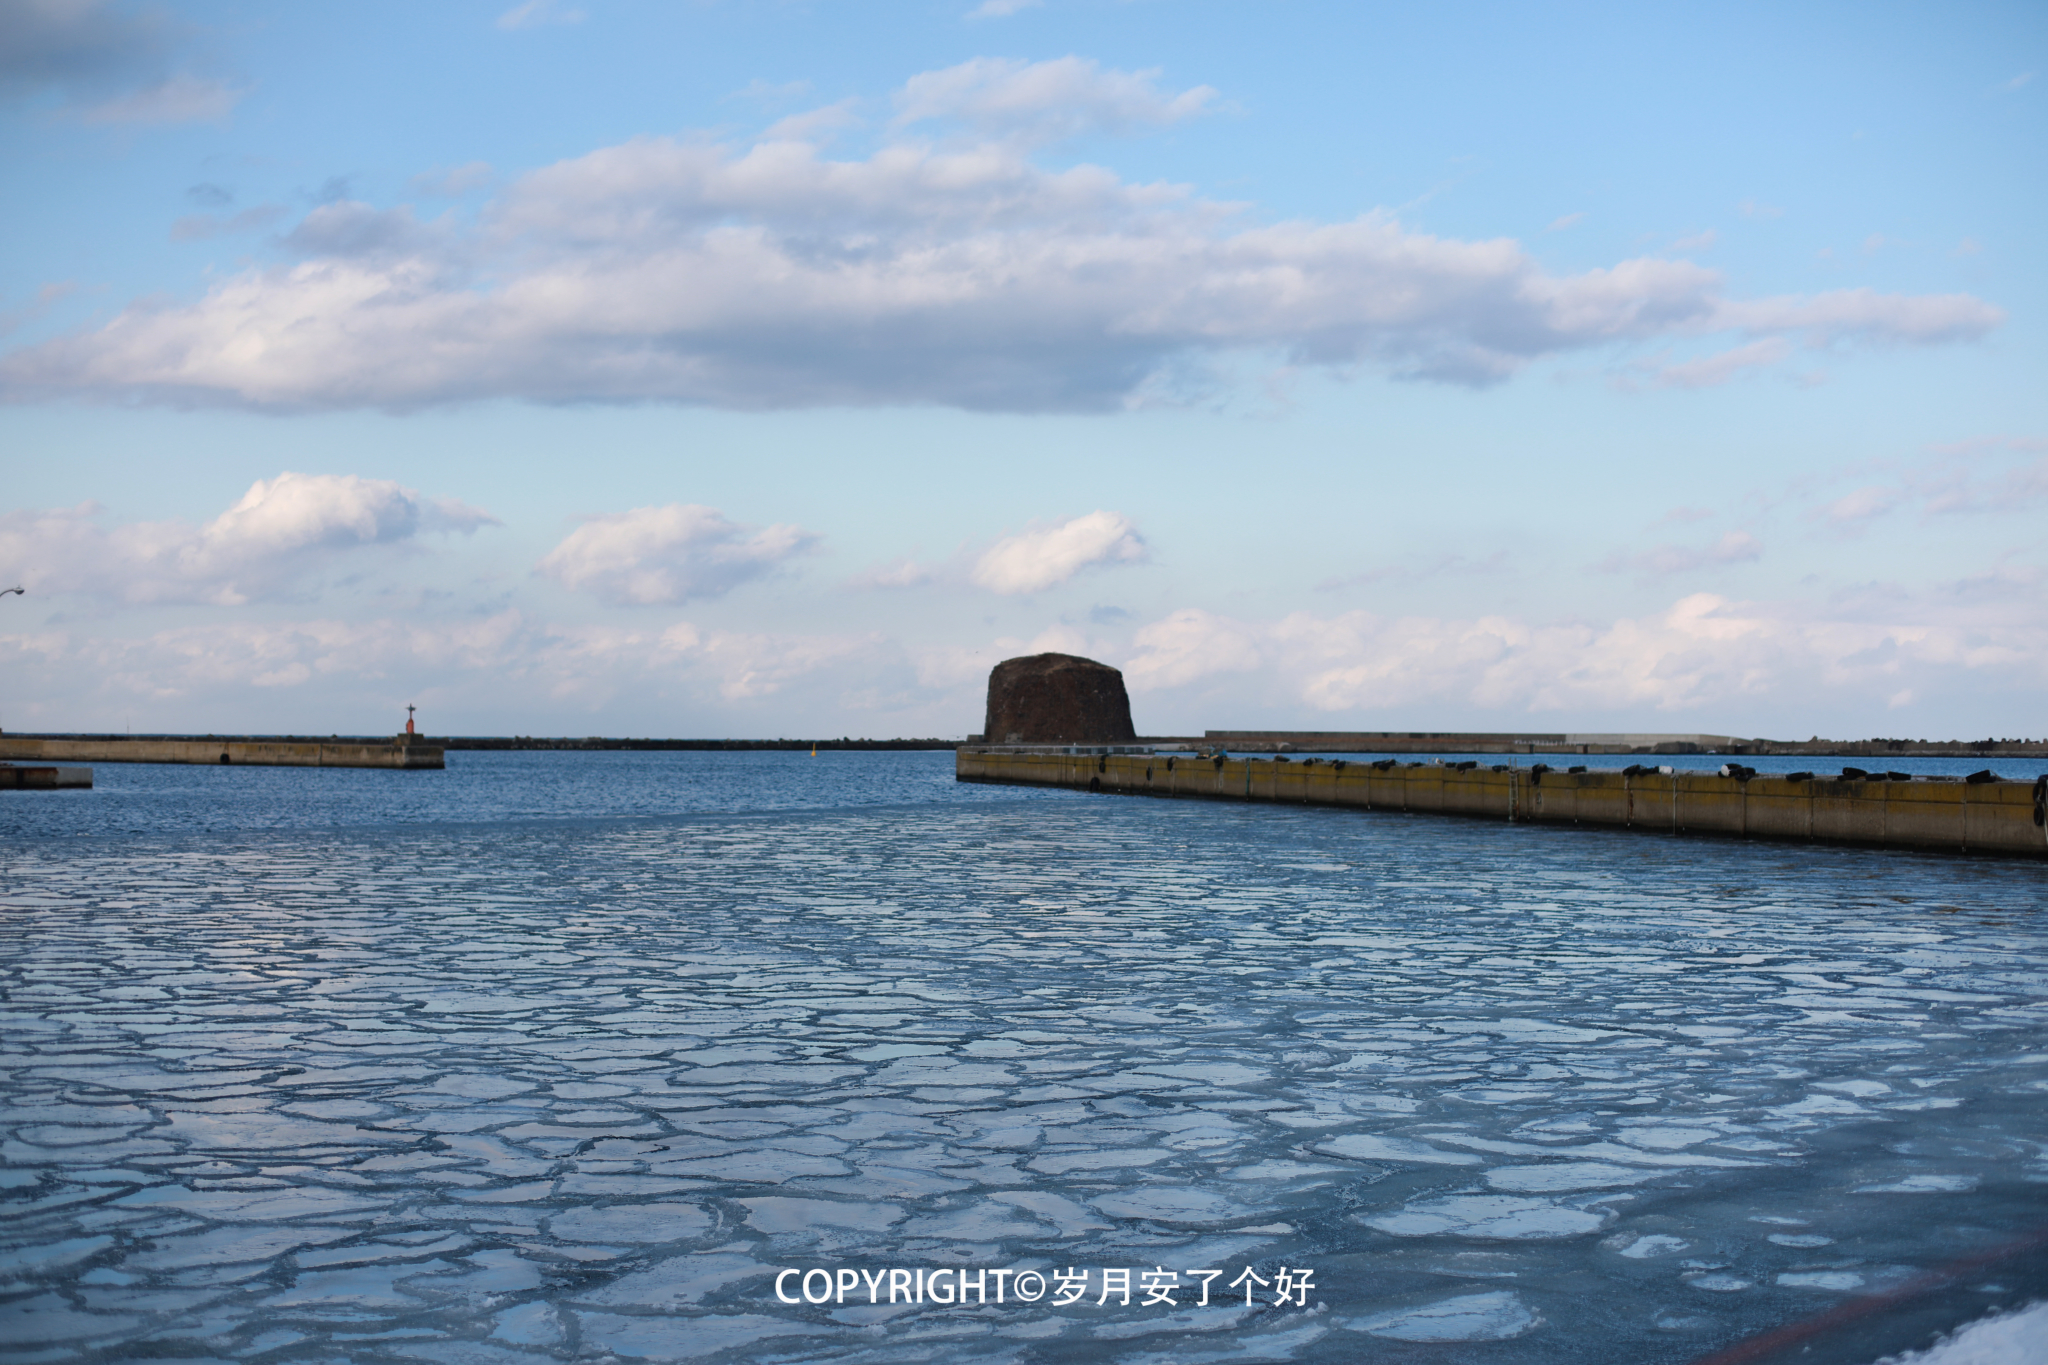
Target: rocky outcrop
<point>1057,699</point>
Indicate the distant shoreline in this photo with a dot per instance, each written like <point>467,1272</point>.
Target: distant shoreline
<point>452,742</point>
<point>1232,741</point>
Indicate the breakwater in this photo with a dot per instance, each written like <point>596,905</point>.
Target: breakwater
<point>1523,742</point>
<point>42,779</point>
<point>251,752</point>
<point>1958,816</point>
<point>601,744</point>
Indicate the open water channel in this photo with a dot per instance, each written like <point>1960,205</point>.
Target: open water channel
<point>569,1056</point>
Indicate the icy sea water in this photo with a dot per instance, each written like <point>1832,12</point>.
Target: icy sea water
<point>564,1057</point>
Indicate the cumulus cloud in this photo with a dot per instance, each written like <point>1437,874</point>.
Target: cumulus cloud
<point>1977,646</point>
<point>653,556</point>
<point>1704,651</point>
<point>960,273</point>
<point>281,530</point>
<point>1659,561</point>
<point>453,665</point>
<point>1192,644</point>
<point>1046,556</point>
<point>111,63</point>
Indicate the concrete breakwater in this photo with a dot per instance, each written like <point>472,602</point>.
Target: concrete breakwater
<point>254,753</point>
<point>42,779</point>
<point>1442,742</point>
<point>1957,816</point>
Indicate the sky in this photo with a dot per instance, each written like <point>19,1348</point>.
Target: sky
<point>724,369</point>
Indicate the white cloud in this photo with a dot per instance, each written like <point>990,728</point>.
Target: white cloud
<point>1047,556</point>
<point>281,530</point>
<point>1043,101</point>
<point>814,125</point>
<point>1735,547</point>
<point>1711,371</point>
<point>1861,505</point>
<point>1972,648</point>
<point>1992,475</point>
<point>1703,653</point>
<point>1865,314</point>
<point>349,230</point>
<point>454,667</point>
<point>656,555</point>
<point>1189,645</point>
<point>962,274</point>
<point>1001,9</point>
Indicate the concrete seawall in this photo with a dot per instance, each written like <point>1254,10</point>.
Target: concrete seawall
<point>254,753</point>
<point>1993,817</point>
<point>42,779</point>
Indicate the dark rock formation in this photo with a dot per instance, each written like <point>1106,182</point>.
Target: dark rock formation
<point>1057,699</point>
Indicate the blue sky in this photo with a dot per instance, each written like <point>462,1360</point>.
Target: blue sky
<point>775,369</point>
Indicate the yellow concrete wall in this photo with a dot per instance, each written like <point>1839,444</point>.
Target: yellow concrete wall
<point>1988,817</point>
<point>256,754</point>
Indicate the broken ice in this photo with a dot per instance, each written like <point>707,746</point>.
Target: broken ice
<point>505,1089</point>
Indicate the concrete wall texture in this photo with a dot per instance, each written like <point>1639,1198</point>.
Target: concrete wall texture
<point>13,778</point>
<point>257,753</point>
<point>1958,817</point>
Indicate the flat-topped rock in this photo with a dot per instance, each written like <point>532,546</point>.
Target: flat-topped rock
<point>1057,699</point>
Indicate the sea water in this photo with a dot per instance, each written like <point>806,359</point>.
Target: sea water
<point>573,1056</point>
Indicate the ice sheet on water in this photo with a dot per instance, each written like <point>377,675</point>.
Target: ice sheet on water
<point>1923,1184</point>
<point>1466,1317</point>
<point>472,1093</point>
<point>658,1339</point>
<point>1566,1175</point>
<point>1378,1147</point>
<point>1179,1205</point>
<point>1491,1217</point>
<point>1650,1245</point>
